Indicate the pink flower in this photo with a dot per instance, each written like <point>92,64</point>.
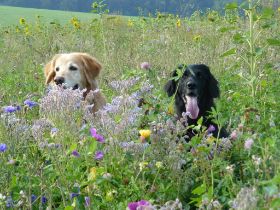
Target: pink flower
<point>135,205</point>
<point>99,155</point>
<point>233,135</point>
<point>97,136</point>
<point>145,65</point>
<point>248,144</point>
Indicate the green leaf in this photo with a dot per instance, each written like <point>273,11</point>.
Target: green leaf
<point>238,38</point>
<point>271,190</point>
<point>226,29</point>
<point>267,13</point>
<point>229,52</point>
<point>69,208</point>
<point>92,146</point>
<point>275,204</point>
<point>273,42</point>
<point>245,5</point>
<point>232,5</point>
<point>199,190</point>
<point>274,180</point>
<point>199,122</point>
<point>73,147</point>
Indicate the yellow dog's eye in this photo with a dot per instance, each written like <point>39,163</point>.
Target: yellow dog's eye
<point>57,69</point>
<point>73,68</point>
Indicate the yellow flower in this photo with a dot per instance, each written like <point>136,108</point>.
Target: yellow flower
<point>92,174</point>
<point>143,165</point>
<point>170,109</point>
<point>76,22</point>
<point>197,38</point>
<point>21,21</point>
<point>26,31</point>
<point>110,195</point>
<point>210,140</point>
<point>278,9</point>
<point>178,23</point>
<point>145,133</point>
<point>159,164</point>
<point>130,23</point>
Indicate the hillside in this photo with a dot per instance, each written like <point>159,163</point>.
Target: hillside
<point>11,15</point>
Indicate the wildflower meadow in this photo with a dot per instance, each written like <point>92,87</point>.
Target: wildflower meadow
<point>132,154</point>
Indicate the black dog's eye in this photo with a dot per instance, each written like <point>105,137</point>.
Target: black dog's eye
<point>73,68</point>
<point>198,74</point>
<point>57,69</point>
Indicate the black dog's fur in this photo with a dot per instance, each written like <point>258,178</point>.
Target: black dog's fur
<point>196,81</point>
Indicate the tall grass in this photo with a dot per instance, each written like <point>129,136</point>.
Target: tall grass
<point>49,157</point>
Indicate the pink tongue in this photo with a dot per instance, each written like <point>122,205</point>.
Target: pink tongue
<point>192,107</point>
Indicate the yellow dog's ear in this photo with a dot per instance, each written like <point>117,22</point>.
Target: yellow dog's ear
<point>91,70</point>
<point>49,69</point>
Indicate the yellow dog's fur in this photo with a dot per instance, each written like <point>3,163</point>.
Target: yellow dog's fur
<point>84,75</point>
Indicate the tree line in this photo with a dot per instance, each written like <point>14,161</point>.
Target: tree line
<point>129,7</point>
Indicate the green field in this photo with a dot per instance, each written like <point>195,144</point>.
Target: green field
<point>50,159</point>
<point>11,15</point>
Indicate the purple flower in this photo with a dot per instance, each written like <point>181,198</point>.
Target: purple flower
<point>135,205</point>
<point>143,203</point>
<point>97,136</point>
<point>132,205</point>
<point>248,144</point>
<point>3,147</point>
<point>54,131</point>
<point>33,198</point>
<point>9,202</point>
<point>73,195</point>
<point>87,201</point>
<point>99,155</point>
<point>44,199</point>
<point>211,129</point>
<point>10,109</point>
<point>145,65</point>
<point>30,103</point>
<point>75,153</point>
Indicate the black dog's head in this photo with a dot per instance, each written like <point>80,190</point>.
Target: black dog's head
<point>196,90</point>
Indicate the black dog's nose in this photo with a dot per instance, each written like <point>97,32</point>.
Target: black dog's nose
<point>59,80</point>
<point>191,85</point>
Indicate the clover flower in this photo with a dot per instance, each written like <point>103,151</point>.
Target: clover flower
<point>97,136</point>
<point>145,66</point>
<point>30,103</point>
<point>234,135</point>
<point>248,144</point>
<point>3,147</point>
<point>99,155</point>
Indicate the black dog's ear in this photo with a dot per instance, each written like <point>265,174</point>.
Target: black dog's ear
<point>213,88</point>
<point>171,85</point>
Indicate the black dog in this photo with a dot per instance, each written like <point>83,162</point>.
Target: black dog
<point>195,92</point>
